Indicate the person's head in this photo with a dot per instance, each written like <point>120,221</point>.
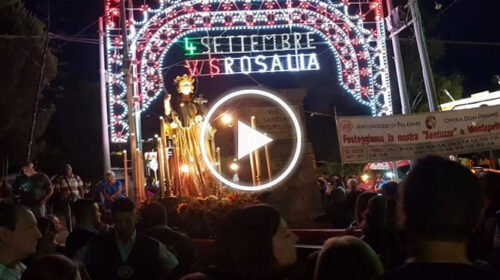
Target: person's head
<point>124,216</point>
<point>52,267</point>
<point>46,228</point>
<point>490,184</point>
<point>347,257</point>
<point>152,215</point>
<point>55,221</point>
<point>110,177</point>
<point>440,200</point>
<point>352,184</point>
<point>19,233</point>
<point>87,212</point>
<point>430,122</point>
<point>68,170</point>
<point>379,219</point>
<point>254,243</point>
<point>362,204</point>
<point>338,195</point>
<point>28,169</point>
<point>390,189</point>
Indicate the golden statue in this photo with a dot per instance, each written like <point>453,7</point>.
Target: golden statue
<point>190,175</point>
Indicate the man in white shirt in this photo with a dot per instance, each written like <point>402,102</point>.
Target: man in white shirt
<point>69,185</point>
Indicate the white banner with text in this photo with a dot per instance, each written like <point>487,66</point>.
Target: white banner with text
<point>376,139</point>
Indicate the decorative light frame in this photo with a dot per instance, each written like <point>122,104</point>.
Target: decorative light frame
<point>354,31</point>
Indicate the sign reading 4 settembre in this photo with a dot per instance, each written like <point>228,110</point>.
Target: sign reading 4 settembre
<point>364,139</point>
<point>245,54</point>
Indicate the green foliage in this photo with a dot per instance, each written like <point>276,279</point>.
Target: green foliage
<point>452,83</point>
<point>413,71</point>
<point>20,62</point>
<point>200,217</point>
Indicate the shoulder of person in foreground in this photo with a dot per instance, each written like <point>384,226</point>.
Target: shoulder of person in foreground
<point>196,276</point>
<point>430,271</point>
<point>166,258</point>
<point>209,273</point>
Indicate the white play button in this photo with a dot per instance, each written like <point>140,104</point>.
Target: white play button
<point>250,140</point>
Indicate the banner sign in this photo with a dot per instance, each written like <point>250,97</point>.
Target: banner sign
<point>368,139</point>
<point>245,54</point>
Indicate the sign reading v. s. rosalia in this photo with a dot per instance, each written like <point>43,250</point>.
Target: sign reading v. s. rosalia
<point>367,139</point>
<point>246,54</point>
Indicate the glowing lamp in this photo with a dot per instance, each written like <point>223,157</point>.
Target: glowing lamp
<point>365,177</point>
<point>185,168</point>
<point>389,174</point>
<point>227,119</point>
<point>234,166</point>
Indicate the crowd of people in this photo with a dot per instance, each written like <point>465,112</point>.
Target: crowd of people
<point>441,222</point>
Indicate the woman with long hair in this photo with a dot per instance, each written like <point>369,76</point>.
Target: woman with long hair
<point>253,243</point>
<point>381,231</point>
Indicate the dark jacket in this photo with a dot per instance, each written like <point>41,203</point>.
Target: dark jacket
<point>104,260</point>
<point>76,240</point>
<point>177,243</point>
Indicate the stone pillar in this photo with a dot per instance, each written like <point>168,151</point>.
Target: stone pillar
<point>297,197</point>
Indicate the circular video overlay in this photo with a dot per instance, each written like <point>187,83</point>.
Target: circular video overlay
<point>251,93</point>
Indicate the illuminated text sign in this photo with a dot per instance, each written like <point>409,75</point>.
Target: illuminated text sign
<point>245,54</point>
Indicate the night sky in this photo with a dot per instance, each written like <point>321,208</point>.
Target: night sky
<point>75,128</point>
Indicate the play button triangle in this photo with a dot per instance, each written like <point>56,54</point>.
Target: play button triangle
<point>250,140</point>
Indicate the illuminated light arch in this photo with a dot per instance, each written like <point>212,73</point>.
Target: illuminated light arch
<point>353,29</point>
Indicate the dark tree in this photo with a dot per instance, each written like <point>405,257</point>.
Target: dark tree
<point>21,51</point>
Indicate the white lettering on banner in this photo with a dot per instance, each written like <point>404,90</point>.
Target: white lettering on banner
<point>258,64</point>
<point>370,139</point>
<point>290,54</point>
<point>248,67</point>
<point>205,42</point>
<point>230,43</point>
<point>276,64</point>
<point>259,60</point>
<point>228,65</point>
<point>285,41</point>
